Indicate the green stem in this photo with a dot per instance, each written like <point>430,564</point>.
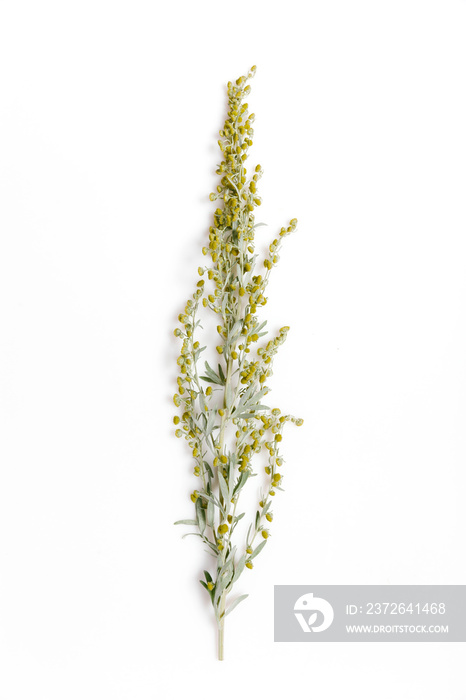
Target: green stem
<point>221,627</point>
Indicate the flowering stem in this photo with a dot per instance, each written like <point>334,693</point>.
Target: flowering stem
<point>224,449</point>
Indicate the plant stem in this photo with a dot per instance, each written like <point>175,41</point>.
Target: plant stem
<point>221,627</point>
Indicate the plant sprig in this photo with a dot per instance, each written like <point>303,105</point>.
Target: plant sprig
<point>215,402</point>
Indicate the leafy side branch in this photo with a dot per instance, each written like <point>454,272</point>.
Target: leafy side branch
<point>223,413</point>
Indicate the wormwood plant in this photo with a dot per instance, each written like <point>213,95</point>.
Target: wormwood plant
<point>223,416</point>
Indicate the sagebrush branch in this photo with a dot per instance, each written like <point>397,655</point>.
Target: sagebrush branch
<point>222,412</point>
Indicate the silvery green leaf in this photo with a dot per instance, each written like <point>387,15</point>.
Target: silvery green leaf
<point>215,501</point>
<point>229,563</point>
<point>198,352</point>
<point>266,507</point>
<point>210,514</point>
<point>214,549</point>
<point>220,374</point>
<point>222,583</point>
<point>185,522</point>
<point>208,577</point>
<point>259,327</point>
<point>208,469</point>
<point>258,549</point>
<point>252,400</point>
<point>210,497</point>
<point>236,327</point>
<point>225,577</point>
<point>235,603</point>
<point>201,421</point>
<point>241,481</point>
<point>196,534</point>
<point>211,380</point>
<point>246,395</point>
<point>223,487</point>
<point>200,516</point>
<point>239,517</point>
<point>210,423</point>
<point>258,515</point>
<point>211,376</point>
<point>239,568</point>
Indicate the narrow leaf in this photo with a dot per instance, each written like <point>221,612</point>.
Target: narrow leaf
<point>239,568</point>
<point>211,380</point>
<point>235,603</point>
<point>241,481</point>
<point>200,515</point>
<point>220,374</point>
<point>258,549</point>
<point>223,487</point>
<point>210,514</point>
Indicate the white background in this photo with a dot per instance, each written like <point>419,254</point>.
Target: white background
<point>109,115</point>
